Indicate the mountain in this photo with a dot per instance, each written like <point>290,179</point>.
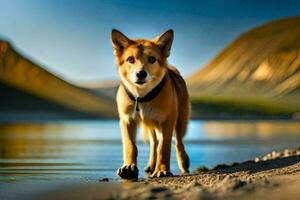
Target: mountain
<point>261,65</point>
<point>264,61</point>
<point>25,86</point>
<point>107,88</point>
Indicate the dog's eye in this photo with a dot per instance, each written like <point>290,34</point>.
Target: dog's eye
<point>130,59</point>
<point>151,59</point>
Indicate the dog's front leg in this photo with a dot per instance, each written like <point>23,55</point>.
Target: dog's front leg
<point>129,168</point>
<point>162,167</point>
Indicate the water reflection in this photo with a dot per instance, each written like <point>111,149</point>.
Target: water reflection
<point>260,129</point>
<point>93,149</point>
<point>19,140</point>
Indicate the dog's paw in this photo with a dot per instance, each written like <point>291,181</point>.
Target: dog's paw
<point>185,165</point>
<point>158,174</point>
<point>149,169</point>
<point>128,172</point>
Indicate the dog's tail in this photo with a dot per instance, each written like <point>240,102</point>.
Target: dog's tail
<point>148,133</point>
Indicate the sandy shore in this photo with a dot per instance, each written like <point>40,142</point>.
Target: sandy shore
<point>274,176</point>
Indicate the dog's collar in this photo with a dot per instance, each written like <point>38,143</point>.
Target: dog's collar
<point>148,97</point>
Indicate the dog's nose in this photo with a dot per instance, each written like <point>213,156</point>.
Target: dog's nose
<point>141,74</point>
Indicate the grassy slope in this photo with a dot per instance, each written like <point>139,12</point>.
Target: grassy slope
<point>19,72</point>
<point>226,107</point>
<point>264,61</point>
<point>257,75</point>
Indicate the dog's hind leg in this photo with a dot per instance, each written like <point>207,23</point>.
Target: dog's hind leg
<point>162,167</point>
<point>182,157</point>
<point>152,157</point>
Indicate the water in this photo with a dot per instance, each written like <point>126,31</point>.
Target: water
<point>90,150</point>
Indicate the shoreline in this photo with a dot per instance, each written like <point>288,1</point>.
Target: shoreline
<point>258,177</point>
<point>274,176</point>
<point>32,118</point>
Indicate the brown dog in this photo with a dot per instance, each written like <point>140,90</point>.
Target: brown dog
<point>154,95</point>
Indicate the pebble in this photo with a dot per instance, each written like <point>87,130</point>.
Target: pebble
<point>104,180</point>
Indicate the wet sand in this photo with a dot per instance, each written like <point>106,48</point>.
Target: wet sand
<point>274,176</point>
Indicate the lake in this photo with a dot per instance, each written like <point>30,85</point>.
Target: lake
<point>91,150</point>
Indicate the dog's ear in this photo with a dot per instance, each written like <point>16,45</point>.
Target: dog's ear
<point>164,41</point>
<point>119,40</point>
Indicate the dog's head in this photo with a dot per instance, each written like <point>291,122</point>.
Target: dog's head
<point>141,63</point>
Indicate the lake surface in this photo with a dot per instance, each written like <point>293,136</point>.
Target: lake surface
<point>91,150</point>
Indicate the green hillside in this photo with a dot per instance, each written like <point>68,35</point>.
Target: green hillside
<point>258,73</point>
<point>20,73</point>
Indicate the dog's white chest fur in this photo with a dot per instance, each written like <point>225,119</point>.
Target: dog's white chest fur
<point>149,114</point>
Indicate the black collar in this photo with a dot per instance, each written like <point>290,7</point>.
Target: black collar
<point>148,97</point>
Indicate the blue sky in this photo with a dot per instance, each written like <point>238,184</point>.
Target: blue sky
<point>71,38</point>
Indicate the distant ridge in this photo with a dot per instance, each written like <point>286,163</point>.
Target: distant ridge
<point>261,63</point>
<point>20,74</point>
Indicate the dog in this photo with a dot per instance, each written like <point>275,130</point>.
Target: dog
<point>154,95</point>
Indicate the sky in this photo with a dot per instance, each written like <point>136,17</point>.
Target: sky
<point>71,38</point>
